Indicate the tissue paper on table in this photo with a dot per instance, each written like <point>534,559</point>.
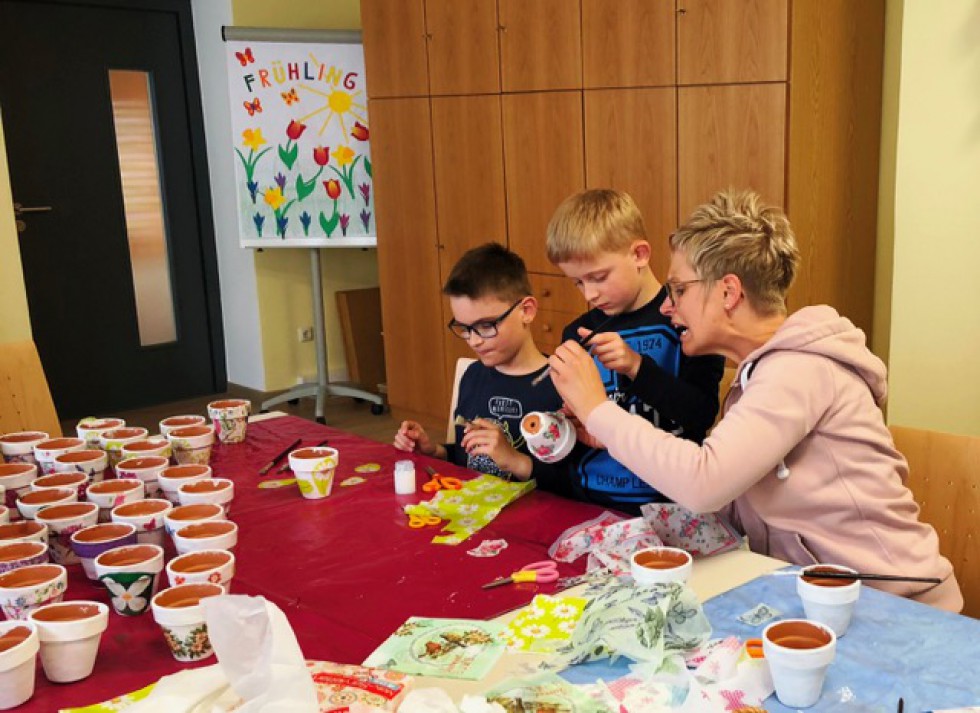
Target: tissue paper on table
<point>700,534</point>
<point>608,541</point>
<point>260,666</point>
<point>544,692</point>
<point>644,624</point>
<point>725,679</point>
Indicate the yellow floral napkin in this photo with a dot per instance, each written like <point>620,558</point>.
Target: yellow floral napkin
<point>544,624</point>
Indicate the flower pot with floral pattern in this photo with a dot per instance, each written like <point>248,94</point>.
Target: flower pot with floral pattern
<point>132,576</point>
<point>147,516</point>
<point>73,480</point>
<point>110,493</point>
<point>214,566</point>
<point>90,542</point>
<point>146,469</point>
<point>192,444</point>
<point>173,477</point>
<point>16,479</point>
<point>157,446</point>
<point>18,657</point>
<point>14,555</point>
<point>69,633</point>
<point>29,504</point>
<point>219,491</point>
<point>113,440</point>
<point>91,429</point>
<point>24,531</point>
<point>19,447</point>
<point>184,515</point>
<point>25,589</point>
<point>314,469</point>
<point>46,451</point>
<point>169,424</point>
<point>63,521</point>
<point>178,612</point>
<point>211,535</point>
<point>230,419</point>
<point>91,461</point>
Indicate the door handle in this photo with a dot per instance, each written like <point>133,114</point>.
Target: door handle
<point>21,209</point>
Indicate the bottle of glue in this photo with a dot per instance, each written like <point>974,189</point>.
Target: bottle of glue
<point>404,477</point>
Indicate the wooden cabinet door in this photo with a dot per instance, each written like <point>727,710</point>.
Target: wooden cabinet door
<point>467,143</point>
<point>631,145</point>
<point>731,136</point>
<point>393,34</point>
<point>628,43</point>
<point>408,262</point>
<point>540,44</point>
<point>544,164</point>
<point>729,41</point>
<point>462,39</point>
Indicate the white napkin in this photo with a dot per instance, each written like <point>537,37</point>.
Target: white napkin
<point>260,665</point>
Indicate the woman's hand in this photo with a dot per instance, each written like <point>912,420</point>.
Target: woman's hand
<point>581,433</point>
<point>577,380</point>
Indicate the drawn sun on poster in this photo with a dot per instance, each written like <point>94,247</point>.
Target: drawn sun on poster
<point>337,104</point>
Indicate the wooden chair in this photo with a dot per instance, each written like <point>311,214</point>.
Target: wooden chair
<point>25,400</point>
<point>944,476</point>
<point>461,365</point>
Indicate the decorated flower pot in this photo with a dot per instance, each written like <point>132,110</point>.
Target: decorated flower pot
<point>29,504</point>
<point>46,451</point>
<point>230,418</point>
<point>91,429</point>
<point>91,461</point>
<point>73,480</point>
<point>147,516</point>
<point>148,447</point>
<point>178,612</point>
<point>25,589</point>
<point>192,444</point>
<point>214,566</point>
<point>550,436</point>
<point>19,447</point>
<point>110,493</point>
<point>314,469</point>
<point>173,477</point>
<point>219,491</point>
<point>16,479</point>
<point>169,424</point>
<point>211,535</point>
<point>69,633</point>
<point>184,515</point>
<point>132,576</point>
<point>113,440</point>
<point>90,542</point>
<point>146,469</point>
<point>24,531</point>
<point>14,555</point>
<point>63,521</point>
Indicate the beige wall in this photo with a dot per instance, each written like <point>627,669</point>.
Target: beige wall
<point>15,323</point>
<point>283,276</point>
<point>935,292</point>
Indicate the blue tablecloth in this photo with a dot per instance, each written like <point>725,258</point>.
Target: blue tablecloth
<point>894,648</point>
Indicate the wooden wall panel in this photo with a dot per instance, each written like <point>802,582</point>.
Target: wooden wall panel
<point>463,54</point>
<point>528,61</point>
<point>628,43</point>
<point>395,55</point>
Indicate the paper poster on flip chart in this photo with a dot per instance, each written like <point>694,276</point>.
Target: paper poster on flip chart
<point>300,132</point>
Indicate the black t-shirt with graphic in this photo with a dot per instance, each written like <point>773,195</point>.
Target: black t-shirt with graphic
<point>674,392</point>
<point>486,393</point>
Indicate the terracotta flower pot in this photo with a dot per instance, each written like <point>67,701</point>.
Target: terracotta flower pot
<point>73,480</point>
<point>178,612</point>
<point>29,504</point>
<point>192,444</point>
<point>18,656</point>
<point>16,479</point>
<point>173,477</point>
<point>14,555</point>
<point>113,440</point>
<point>89,542</point>
<point>24,590</point>
<point>24,531</point>
<point>219,491</point>
<point>212,535</point>
<point>147,516</point>
<point>69,634</point>
<point>169,424</point>
<point>91,461</point>
<point>146,469</point>
<point>214,566</point>
<point>132,576</point>
<point>110,493</point>
<point>19,447</point>
<point>314,469</point>
<point>230,419</point>
<point>63,521</point>
<point>184,515</point>
<point>91,429</point>
<point>148,447</point>
<point>46,451</point>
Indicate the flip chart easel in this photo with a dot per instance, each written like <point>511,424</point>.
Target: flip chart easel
<point>302,159</point>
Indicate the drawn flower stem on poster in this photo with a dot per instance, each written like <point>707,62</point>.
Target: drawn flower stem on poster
<point>252,139</point>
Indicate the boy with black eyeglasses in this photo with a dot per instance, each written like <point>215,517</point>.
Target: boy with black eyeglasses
<point>490,297</point>
<point>597,238</point>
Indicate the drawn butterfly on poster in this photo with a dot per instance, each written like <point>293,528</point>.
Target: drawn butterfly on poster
<point>300,135</point>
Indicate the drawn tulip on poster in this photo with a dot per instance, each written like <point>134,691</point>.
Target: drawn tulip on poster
<point>332,187</point>
<point>321,156</point>
<point>252,139</point>
<point>289,152</point>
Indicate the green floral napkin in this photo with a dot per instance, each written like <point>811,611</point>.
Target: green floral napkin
<point>471,508</point>
<point>544,692</point>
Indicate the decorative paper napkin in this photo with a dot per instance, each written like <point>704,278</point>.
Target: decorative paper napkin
<point>608,540</point>
<point>338,686</point>
<point>544,624</point>
<point>701,534</point>
<point>471,508</point>
<point>448,648</point>
<point>544,692</point>
<point>645,624</point>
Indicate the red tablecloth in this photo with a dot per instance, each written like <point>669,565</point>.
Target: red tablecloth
<point>347,570</point>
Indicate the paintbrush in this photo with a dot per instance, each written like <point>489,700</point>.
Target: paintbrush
<point>856,575</point>
<point>584,341</point>
<point>272,463</point>
<point>285,466</point>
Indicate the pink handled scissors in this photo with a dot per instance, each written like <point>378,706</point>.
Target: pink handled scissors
<point>544,572</point>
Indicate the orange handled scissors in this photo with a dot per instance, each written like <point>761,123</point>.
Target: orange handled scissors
<point>544,572</point>
<point>418,521</point>
<point>440,482</point>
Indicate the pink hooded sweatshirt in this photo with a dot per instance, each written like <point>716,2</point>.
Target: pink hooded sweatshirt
<point>802,461</point>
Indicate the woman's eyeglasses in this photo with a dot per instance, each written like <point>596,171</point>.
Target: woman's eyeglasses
<point>484,329</point>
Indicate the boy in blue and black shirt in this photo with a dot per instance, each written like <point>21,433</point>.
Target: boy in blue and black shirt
<point>597,238</point>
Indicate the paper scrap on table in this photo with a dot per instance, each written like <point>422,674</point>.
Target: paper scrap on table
<point>608,540</point>
<point>339,687</point>
<point>488,548</point>
<point>759,614</point>
<point>644,624</point>
<point>353,480</point>
<point>448,648</point>
<point>544,624</point>
<point>544,692</point>
<point>701,534</point>
<point>470,508</point>
<point>367,468</point>
<point>723,680</point>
